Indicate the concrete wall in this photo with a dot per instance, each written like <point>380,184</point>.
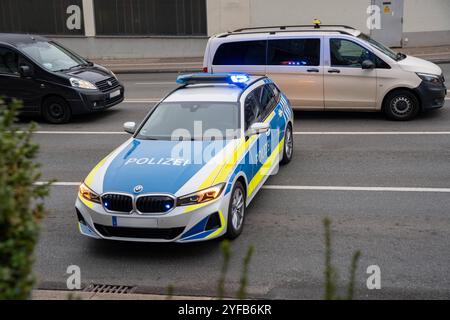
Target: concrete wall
<point>426,22</point>
<point>135,47</point>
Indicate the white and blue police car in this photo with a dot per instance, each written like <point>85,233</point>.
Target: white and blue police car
<point>193,165</point>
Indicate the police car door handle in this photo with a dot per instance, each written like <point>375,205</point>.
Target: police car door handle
<point>334,71</point>
<point>313,70</point>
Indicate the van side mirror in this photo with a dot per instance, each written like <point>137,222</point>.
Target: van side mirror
<point>368,64</point>
<point>129,127</point>
<point>25,71</point>
<point>257,128</point>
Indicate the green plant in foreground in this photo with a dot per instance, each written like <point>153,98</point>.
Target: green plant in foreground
<point>21,207</point>
<point>331,276</point>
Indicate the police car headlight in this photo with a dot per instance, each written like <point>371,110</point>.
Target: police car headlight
<point>433,78</point>
<point>82,84</point>
<point>88,194</point>
<point>201,196</point>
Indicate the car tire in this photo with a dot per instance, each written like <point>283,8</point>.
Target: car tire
<point>236,211</point>
<point>56,110</point>
<point>401,105</point>
<point>288,146</point>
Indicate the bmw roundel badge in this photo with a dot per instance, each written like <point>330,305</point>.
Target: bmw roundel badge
<point>138,188</point>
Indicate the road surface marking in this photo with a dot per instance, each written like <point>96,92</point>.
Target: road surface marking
<point>372,132</point>
<point>156,83</point>
<point>80,132</point>
<point>310,188</point>
<point>349,188</point>
<point>153,100</point>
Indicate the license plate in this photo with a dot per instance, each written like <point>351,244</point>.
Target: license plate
<point>135,222</point>
<point>114,94</point>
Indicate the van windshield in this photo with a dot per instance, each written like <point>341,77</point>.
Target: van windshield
<point>387,51</point>
<point>51,56</point>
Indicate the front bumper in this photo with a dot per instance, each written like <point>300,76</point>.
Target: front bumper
<point>182,224</point>
<point>432,96</point>
<point>96,100</point>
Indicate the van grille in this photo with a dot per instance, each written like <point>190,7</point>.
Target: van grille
<point>107,84</point>
<point>117,202</point>
<point>153,204</point>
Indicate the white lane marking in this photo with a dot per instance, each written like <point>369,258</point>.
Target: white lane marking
<point>80,132</point>
<point>349,188</point>
<point>311,188</point>
<point>156,83</point>
<point>372,132</point>
<point>174,64</point>
<point>153,100</point>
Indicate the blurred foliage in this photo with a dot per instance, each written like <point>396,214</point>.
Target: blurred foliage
<point>21,207</point>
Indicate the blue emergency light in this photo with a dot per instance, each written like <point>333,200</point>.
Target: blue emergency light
<point>238,79</point>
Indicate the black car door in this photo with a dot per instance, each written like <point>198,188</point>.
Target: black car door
<point>12,85</point>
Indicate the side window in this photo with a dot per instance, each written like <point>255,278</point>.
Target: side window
<point>267,101</point>
<point>294,52</point>
<point>241,53</point>
<point>251,109</point>
<point>9,61</point>
<point>346,53</point>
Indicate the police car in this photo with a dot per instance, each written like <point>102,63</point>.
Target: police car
<point>193,165</point>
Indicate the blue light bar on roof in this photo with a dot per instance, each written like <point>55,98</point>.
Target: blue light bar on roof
<point>238,79</point>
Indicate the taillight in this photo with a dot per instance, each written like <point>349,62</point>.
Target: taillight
<point>205,69</point>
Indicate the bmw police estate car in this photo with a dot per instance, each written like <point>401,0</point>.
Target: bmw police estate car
<point>193,165</point>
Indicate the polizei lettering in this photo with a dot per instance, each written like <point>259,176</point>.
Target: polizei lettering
<point>158,161</point>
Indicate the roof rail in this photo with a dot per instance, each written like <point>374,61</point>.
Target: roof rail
<point>224,35</point>
<point>293,26</point>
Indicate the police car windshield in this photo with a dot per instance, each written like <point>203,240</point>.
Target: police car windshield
<point>51,56</point>
<point>192,121</point>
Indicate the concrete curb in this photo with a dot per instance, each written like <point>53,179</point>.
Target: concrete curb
<point>83,295</point>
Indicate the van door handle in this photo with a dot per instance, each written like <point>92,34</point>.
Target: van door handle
<point>334,71</point>
<point>313,70</point>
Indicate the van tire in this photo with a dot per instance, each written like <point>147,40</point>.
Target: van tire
<point>288,146</point>
<point>401,105</point>
<point>234,231</point>
<point>56,110</point>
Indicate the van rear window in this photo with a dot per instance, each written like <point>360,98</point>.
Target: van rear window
<point>294,52</point>
<point>241,53</point>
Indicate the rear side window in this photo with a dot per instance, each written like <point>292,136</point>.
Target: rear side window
<point>9,61</point>
<point>241,53</point>
<point>294,52</point>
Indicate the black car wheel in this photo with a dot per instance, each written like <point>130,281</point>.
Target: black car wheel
<point>56,110</point>
<point>288,147</point>
<point>236,211</point>
<point>401,105</point>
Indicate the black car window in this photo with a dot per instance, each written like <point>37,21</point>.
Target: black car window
<point>294,52</point>
<point>267,101</point>
<point>346,53</point>
<point>9,61</point>
<point>241,53</point>
<point>252,109</point>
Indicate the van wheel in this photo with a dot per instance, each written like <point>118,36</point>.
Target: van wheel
<point>401,105</point>
<point>56,110</point>
<point>288,147</point>
<point>236,211</point>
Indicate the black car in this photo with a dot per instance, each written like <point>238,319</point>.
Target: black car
<point>52,80</point>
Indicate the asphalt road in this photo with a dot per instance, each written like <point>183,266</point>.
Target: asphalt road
<point>406,233</point>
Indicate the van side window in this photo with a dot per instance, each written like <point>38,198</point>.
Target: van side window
<point>251,109</point>
<point>294,52</point>
<point>9,61</point>
<point>241,53</point>
<point>346,53</point>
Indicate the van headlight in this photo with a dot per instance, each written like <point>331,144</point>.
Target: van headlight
<point>201,196</point>
<point>432,78</point>
<point>82,84</point>
<point>88,194</point>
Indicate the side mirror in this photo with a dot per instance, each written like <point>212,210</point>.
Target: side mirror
<point>368,64</point>
<point>129,127</point>
<point>25,71</point>
<point>257,128</point>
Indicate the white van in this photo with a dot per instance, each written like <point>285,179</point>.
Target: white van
<point>330,67</point>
